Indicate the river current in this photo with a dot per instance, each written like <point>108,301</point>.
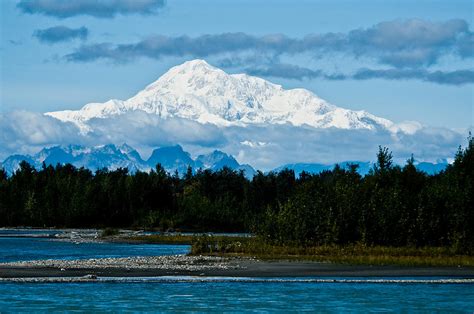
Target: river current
<point>183,294</point>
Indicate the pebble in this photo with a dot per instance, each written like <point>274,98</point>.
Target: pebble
<point>169,262</point>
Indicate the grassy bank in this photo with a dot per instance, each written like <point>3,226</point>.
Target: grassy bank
<point>180,239</point>
<point>350,254</point>
<point>162,239</point>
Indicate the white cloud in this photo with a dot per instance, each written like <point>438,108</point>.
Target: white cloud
<point>262,147</point>
<point>254,144</point>
<point>408,127</point>
<point>27,132</point>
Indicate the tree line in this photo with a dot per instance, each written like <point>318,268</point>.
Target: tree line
<point>392,205</point>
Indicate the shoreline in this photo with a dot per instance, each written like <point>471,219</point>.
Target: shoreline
<point>200,279</point>
<point>205,266</point>
<point>230,265</point>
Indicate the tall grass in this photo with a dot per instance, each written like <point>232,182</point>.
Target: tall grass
<point>180,238</point>
<point>162,239</point>
<point>348,254</point>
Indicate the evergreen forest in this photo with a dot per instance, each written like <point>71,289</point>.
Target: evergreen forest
<point>391,206</point>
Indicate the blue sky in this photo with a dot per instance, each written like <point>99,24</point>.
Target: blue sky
<point>50,59</point>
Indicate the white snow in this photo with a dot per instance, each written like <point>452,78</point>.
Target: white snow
<point>198,91</point>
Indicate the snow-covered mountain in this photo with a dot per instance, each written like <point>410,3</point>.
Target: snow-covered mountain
<point>200,92</point>
<point>172,158</point>
<point>93,158</point>
<point>218,160</point>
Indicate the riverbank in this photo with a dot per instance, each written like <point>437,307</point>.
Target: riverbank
<point>255,247</point>
<point>181,265</point>
<point>115,235</point>
<point>251,247</point>
<point>351,254</point>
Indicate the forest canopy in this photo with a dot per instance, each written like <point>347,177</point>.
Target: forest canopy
<point>392,205</point>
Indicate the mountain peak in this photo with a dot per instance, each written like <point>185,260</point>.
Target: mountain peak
<point>175,149</point>
<point>198,91</point>
<point>171,157</point>
<point>195,64</point>
<point>216,160</point>
<point>188,69</point>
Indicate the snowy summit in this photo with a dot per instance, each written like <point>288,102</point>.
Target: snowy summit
<point>200,92</point>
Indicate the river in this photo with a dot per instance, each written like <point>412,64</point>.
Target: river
<point>210,294</point>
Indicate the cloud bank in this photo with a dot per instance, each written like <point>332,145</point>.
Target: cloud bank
<point>60,33</point>
<point>289,71</point>
<point>26,132</point>
<point>458,77</point>
<point>400,43</point>
<point>407,47</point>
<point>96,8</point>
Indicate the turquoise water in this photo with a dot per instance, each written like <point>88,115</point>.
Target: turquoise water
<point>25,249</point>
<point>207,294</point>
<point>235,296</point>
<point>28,231</point>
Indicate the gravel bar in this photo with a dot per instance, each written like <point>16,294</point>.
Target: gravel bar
<point>169,262</point>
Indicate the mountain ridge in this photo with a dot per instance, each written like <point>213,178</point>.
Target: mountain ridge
<point>113,157</point>
<point>200,92</point>
<point>172,158</point>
